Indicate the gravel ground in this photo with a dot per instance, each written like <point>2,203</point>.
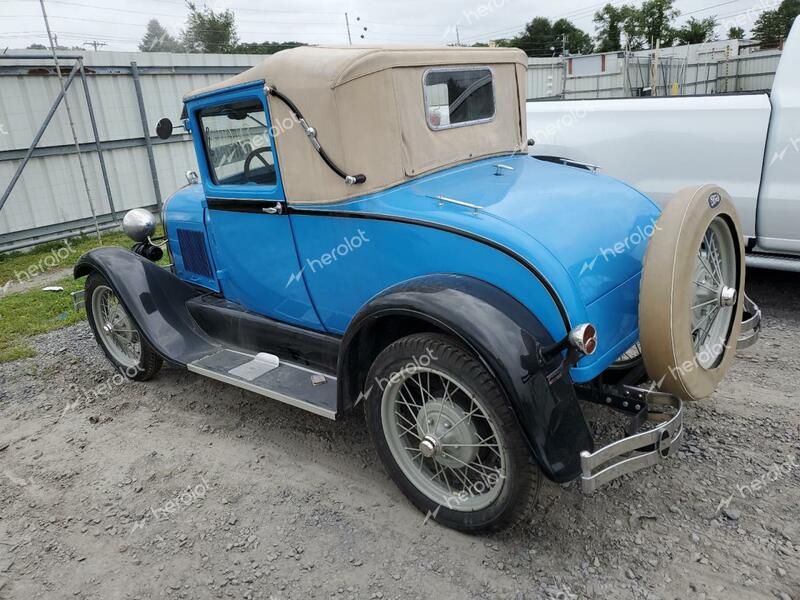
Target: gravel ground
<point>186,488</point>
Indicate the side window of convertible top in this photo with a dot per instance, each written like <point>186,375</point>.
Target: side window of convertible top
<point>237,144</point>
<point>458,97</point>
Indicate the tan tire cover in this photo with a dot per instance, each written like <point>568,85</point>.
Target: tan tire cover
<point>667,293</point>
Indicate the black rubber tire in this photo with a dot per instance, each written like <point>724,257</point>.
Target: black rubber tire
<point>150,362</point>
<point>517,500</point>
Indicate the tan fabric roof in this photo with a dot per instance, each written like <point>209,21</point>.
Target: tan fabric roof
<point>368,108</point>
<point>333,66</point>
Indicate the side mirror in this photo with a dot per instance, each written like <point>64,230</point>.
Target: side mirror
<point>164,128</point>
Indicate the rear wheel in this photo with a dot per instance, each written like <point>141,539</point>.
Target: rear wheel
<point>117,333</point>
<point>692,293</point>
<point>446,435</point>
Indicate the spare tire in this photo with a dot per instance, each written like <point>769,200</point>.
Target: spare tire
<point>692,293</point>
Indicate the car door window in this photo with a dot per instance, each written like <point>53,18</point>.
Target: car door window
<point>237,144</point>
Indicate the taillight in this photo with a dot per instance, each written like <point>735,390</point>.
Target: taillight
<point>584,338</point>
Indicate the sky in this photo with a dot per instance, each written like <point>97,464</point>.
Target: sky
<point>120,24</point>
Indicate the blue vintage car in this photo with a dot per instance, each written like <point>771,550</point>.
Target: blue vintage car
<point>367,231</point>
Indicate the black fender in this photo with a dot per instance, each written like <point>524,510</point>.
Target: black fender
<point>155,299</point>
<point>502,333</point>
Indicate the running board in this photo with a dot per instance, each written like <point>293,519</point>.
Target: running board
<point>269,376</point>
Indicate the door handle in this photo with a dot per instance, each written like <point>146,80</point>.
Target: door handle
<point>273,210</point>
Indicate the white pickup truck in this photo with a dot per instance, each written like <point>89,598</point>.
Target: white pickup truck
<point>747,143</point>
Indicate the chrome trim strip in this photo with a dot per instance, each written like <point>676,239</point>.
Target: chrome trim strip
<point>638,451</point>
<point>457,202</point>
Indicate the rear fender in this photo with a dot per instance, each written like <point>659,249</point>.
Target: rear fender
<point>503,334</point>
<point>155,299</point>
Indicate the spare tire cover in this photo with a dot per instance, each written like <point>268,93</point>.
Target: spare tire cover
<point>692,293</point>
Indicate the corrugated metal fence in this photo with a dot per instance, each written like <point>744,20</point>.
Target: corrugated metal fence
<point>739,74</point>
<point>49,198</point>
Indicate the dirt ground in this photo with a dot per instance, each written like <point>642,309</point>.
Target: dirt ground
<point>185,488</point>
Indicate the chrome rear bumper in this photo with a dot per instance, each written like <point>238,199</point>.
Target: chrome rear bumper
<point>640,450</point>
<point>751,325</point>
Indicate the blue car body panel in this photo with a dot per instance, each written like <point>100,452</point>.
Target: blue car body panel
<point>584,233</point>
<point>565,242</point>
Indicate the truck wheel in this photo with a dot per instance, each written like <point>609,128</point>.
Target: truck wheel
<point>692,293</point>
<point>447,436</point>
<point>117,333</point>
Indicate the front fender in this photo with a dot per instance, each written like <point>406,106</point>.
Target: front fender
<point>155,299</point>
<point>505,336</point>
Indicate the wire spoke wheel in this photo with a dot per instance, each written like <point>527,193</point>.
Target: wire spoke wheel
<point>442,438</point>
<point>714,293</point>
<point>115,328</point>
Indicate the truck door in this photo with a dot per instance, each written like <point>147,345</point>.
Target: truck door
<point>249,229</point>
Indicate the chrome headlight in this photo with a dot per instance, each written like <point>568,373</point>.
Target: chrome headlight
<point>139,224</point>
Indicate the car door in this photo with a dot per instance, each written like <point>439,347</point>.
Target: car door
<point>248,225</point>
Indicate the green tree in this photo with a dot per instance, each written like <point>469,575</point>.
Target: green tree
<point>632,28</point>
<point>656,21</point>
<point>578,41</point>
<point>697,31</point>
<point>158,39</point>
<point>58,47</point>
<point>774,25</point>
<point>609,23</point>
<point>735,33</point>
<point>543,38</point>
<point>209,31</point>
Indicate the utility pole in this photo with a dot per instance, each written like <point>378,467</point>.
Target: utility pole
<point>51,38</point>
<point>458,37</point>
<point>95,44</point>
<point>566,70</point>
<point>347,22</point>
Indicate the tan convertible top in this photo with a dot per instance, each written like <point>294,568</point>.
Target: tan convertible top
<point>368,108</point>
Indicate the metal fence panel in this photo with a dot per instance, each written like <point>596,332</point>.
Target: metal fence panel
<point>49,196</point>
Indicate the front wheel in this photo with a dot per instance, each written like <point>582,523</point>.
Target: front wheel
<point>117,333</point>
<point>446,434</point>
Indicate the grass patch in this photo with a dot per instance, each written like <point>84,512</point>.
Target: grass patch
<point>22,266</point>
<point>31,312</point>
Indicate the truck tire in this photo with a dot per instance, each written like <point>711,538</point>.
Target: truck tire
<point>692,293</point>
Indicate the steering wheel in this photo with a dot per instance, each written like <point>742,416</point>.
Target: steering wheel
<point>257,153</point>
